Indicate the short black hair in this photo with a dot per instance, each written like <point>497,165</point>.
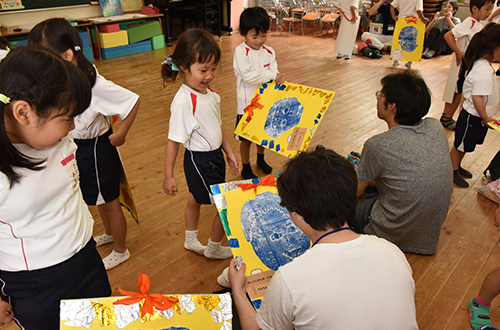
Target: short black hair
<point>409,92</point>
<point>479,3</point>
<point>321,187</point>
<point>254,18</point>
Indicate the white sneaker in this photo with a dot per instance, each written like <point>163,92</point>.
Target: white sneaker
<point>340,56</point>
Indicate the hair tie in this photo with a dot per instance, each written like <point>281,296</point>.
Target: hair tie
<point>4,99</point>
<point>77,48</point>
<point>168,61</point>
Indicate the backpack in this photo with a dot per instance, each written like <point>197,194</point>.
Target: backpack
<point>494,167</point>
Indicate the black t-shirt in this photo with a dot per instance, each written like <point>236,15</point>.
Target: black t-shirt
<point>387,21</point>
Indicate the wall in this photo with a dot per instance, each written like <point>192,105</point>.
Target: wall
<point>237,7</point>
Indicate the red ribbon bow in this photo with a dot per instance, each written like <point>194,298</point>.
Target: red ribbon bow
<point>254,103</point>
<point>268,180</point>
<point>411,19</point>
<point>157,300</point>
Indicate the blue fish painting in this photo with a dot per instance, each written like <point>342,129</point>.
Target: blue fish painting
<point>408,38</point>
<point>283,115</point>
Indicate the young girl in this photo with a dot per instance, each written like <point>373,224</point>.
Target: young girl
<point>46,248</point>
<point>480,93</point>
<point>348,28</point>
<point>97,156</point>
<point>437,28</point>
<point>195,122</point>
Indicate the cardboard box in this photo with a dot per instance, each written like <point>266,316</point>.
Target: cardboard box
<point>113,39</point>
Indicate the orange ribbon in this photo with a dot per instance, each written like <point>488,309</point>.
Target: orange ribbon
<point>268,180</point>
<point>411,19</point>
<point>157,300</point>
<point>253,104</point>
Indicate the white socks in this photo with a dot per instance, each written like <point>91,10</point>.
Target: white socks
<point>223,278</point>
<point>115,258</point>
<point>191,243</point>
<point>103,239</point>
<point>216,251</point>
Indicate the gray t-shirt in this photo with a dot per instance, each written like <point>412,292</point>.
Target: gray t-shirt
<point>412,169</point>
<point>441,23</point>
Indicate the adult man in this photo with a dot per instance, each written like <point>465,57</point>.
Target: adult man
<point>382,41</point>
<point>410,167</point>
<point>346,280</point>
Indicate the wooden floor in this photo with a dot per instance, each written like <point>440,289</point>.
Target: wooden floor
<point>468,247</point>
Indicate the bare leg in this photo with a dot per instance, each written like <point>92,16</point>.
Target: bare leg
<point>115,224</point>
<point>491,286</point>
<point>214,249</point>
<point>450,108</point>
<point>192,214</point>
<point>245,151</point>
<point>456,158</point>
<point>260,150</point>
<point>217,229</point>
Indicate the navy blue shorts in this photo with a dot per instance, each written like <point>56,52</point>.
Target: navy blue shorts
<point>203,169</point>
<point>35,295</point>
<point>100,169</point>
<point>237,137</point>
<point>461,77</point>
<point>470,131</point>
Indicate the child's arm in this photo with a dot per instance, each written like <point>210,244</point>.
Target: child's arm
<point>422,17</point>
<point>248,72</point>
<point>480,106</point>
<point>6,315</point>
<point>495,14</point>
<point>374,9</point>
<point>449,19</point>
<point>234,164</point>
<point>354,17</point>
<point>393,13</point>
<point>118,138</point>
<point>429,26</point>
<point>450,40</point>
<point>170,184</point>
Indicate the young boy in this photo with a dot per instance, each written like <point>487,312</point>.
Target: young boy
<point>407,8</point>
<point>254,63</point>
<point>462,33</point>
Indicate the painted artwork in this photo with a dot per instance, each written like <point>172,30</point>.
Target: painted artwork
<point>148,311</point>
<point>284,118</point>
<point>260,231</point>
<point>408,40</point>
<point>11,5</point>
<point>111,7</point>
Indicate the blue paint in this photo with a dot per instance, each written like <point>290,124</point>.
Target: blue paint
<point>408,38</point>
<point>264,143</point>
<point>271,144</point>
<point>268,227</point>
<point>255,180</point>
<point>284,115</point>
<point>278,147</point>
<point>264,86</point>
<point>233,242</point>
<point>215,189</point>
<point>176,328</point>
<point>318,116</point>
<point>316,122</point>
<point>282,87</point>
<point>257,303</point>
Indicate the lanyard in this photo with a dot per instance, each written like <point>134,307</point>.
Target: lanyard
<point>329,233</point>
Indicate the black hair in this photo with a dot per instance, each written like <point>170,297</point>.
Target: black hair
<point>479,3</point>
<point>4,43</point>
<point>454,4</point>
<point>193,46</point>
<point>49,85</point>
<point>58,35</point>
<point>483,44</point>
<point>409,92</point>
<point>254,18</point>
<point>321,187</point>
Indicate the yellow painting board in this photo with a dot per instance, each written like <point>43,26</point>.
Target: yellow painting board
<point>284,118</point>
<point>259,230</point>
<point>408,40</point>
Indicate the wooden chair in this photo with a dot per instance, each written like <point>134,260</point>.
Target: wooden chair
<point>332,20</point>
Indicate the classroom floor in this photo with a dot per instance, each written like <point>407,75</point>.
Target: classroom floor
<point>445,282</point>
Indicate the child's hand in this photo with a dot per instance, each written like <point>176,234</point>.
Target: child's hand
<point>6,315</point>
<point>354,19</point>
<point>234,164</point>
<point>170,186</point>
<point>237,278</point>
<point>279,78</point>
<point>459,56</point>
<point>116,139</point>
<point>425,20</point>
<point>395,18</point>
<point>437,15</point>
<point>487,120</point>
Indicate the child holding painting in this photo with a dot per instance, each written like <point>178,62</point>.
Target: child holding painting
<point>195,122</point>
<point>254,63</point>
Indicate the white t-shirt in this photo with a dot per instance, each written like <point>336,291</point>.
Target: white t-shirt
<point>408,7</point>
<point>346,5</point>
<point>195,119</point>
<point>481,80</point>
<point>3,53</point>
<point>365,283</point>
<point>43,219</point>
<point>465,31</point>
<point>108,99</point>
<point>252,68</point>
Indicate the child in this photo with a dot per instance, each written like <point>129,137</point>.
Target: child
<point>97,156</point>
<point>4,48</point>
<point>437,28</point>
<point>407,8</point>
<point>46,248</point>
<point>195,122</point>
<point>463,33</point>
<point>254,63</point>
<point>348,28</point>
<point>480,98</point>
<point>495,16</point>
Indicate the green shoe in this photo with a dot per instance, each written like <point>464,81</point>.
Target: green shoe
<point>479,315</point>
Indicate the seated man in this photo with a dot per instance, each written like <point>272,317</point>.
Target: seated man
<point>346,280</point>
<point>381,41</point>
<point>410,167</point>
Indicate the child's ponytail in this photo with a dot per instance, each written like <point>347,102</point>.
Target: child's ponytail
<point>49,85</point>
<point>58,35</point>
<point>483,44</point>
<point>193,45</point>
